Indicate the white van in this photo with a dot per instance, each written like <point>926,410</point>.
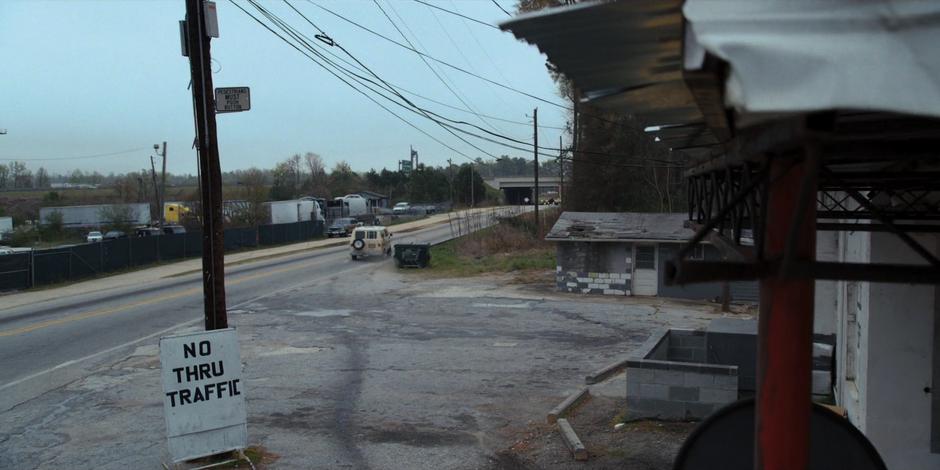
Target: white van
<point>372,240</point>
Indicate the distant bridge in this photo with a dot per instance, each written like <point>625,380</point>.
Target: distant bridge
<point>517,188</point>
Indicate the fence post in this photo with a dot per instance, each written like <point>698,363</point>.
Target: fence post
<point>70,264</point>
<point>32,268</point>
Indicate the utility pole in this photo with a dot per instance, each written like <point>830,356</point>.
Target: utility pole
<point>535,151</point>
<point>156,189</point>
<point>450,172</point>
<point>561,169</point>
<point>210,174</point>
<point>473,199</point>
<point>163,186</point>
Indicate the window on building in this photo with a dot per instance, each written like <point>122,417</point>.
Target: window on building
<point>645,257</point>
<point>698,252</point>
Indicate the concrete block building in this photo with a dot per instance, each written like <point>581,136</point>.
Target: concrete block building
<point>625,253</point>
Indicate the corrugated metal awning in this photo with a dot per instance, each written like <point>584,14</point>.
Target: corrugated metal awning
<point>627,56</point>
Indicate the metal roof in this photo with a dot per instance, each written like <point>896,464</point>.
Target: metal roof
<point>620,226</point>
<point>627,56</point>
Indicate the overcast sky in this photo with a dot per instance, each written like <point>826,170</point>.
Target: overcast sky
<point>93,77</point>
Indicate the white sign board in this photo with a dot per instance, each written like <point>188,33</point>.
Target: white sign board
<point>203,394</point>
<point>232,100</point>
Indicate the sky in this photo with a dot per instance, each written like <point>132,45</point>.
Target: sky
<point>85,78</point>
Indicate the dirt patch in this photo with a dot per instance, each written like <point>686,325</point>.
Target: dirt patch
<point>640,445</point>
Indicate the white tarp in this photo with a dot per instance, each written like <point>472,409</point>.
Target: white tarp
<point>809,55</point>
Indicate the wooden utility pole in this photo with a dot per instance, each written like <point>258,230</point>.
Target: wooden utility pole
<point>163,187</point>
<point>473,198</point>
<point>156,189</point>
<point>210,174</point>
<point>561,169</point>
<point>535,151</point>
<point>450,172</point>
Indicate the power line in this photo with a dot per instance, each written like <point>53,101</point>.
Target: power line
<point>501,7</point>
<point>460,69</point>
<point>439,60</point>
<point>413,108</point>
<point>295,34</point>
<point>78,157</point>
<point>484,23</point>
<point>483,50</point>
<point>414,93</point>
<point>464,56</point>
<point>424,112</point>
<point>347,83</point>
<point>428,64</point>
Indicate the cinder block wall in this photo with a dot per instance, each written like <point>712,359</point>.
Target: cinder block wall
<point>661,385</point>
<point>586,268</point>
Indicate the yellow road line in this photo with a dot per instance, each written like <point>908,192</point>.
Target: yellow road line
<point>152,300</point>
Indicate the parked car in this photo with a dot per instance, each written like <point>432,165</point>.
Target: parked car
<point>114,234</point>
<point>94,236</point>
<point>401,208</point>
<point>173,229</point>
<point>342,227</point>
<point>372,240</point>
<point>149,232</point>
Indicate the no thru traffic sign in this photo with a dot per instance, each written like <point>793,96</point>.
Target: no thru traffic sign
<point>232,100</point>
<point>203,394</point>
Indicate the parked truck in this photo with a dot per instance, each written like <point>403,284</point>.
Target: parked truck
<point>174,211</point>
<point>354,204</point>
<point>295,210</point>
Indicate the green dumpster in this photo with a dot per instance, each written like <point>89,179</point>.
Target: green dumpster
<point>412,255</point>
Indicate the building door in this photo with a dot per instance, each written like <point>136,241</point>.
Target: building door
<point>645,278</point>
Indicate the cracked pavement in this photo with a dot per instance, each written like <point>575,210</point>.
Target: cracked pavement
<point>369,369</point>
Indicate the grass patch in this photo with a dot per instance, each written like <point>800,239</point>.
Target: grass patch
<point>508,246</point>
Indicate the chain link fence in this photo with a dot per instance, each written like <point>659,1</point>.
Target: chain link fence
<point>70,263</point>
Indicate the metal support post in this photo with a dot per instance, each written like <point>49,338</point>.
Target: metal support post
<point>535,151</point>
<point>784,371</point>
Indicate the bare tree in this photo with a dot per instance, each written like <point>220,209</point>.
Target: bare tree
<point>42,178</point>
<point>4,176</point>
<point>254,191</point>
<point>316,177</point>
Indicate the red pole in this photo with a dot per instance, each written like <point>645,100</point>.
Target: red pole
<point>784,371</point>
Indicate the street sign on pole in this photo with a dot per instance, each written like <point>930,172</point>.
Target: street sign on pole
<point>203,394</point>
<point>232,99</point>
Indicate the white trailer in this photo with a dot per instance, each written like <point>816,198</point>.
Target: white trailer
<point>355,205</point>
<point>287,212</point>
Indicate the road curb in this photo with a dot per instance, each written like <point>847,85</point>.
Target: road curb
<point>574,444</point>
<point>605,372</point>
<point>568,404</point>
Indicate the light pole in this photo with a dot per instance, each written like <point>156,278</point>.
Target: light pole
<point>161,198</point>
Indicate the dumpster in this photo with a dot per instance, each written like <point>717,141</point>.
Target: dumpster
<point>412,255</point>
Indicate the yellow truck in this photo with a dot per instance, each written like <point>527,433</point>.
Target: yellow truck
<point>174,211</point>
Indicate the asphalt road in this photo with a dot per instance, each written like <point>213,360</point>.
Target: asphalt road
<point>46,345</point>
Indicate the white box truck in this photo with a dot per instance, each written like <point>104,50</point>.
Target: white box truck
<point>295,210</point>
